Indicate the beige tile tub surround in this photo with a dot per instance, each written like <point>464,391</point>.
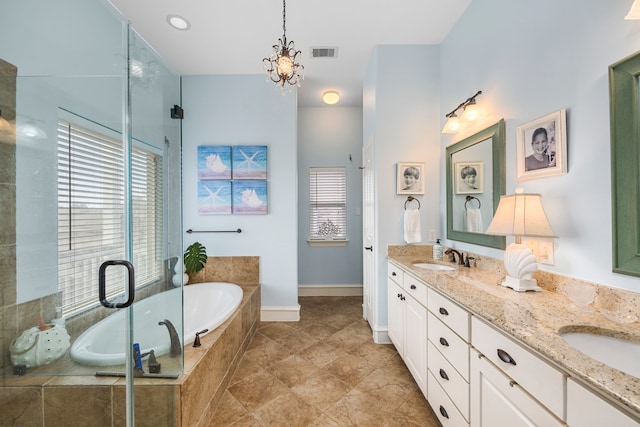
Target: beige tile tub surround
<point>187,401</point>
<point>536,318</point>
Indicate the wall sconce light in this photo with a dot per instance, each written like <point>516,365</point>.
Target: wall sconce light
<point>330,97</point>
<point>520,215</point>
<point>470,113</point>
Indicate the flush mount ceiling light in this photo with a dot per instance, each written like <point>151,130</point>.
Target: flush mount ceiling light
<point>330,97</point>
<point>470,113</point>
<point>178,22</point>
<point>281,66</point>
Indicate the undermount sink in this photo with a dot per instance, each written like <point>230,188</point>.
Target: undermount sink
<point>429,266</point>
<point>619,354</point>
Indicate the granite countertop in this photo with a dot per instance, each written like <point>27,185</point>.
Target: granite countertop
<point>536,319</point>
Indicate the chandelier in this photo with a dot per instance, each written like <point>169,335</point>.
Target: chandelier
<point>281,66</point>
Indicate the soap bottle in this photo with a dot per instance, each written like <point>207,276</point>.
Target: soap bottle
<point>437,250</point>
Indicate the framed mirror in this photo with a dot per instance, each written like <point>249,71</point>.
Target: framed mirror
<point>475,179</point>
<point>625,149</point>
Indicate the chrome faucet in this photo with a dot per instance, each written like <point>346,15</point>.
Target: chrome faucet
<point>452,258</point>
<point>176,347</point>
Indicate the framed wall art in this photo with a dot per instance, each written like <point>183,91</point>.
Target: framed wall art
<point>214,197</point>
<point>410,178</point>
<point>249,162</point>
<point>250,197</point>
<point>214,162</point>
<point>469,177</point>
<point>541,147</point>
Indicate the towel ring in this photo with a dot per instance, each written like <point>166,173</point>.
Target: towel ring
<point>470,198</point>
<point>411,199</point>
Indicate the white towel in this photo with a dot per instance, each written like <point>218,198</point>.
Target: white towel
<point>474,220</point>
<point>412,232</point>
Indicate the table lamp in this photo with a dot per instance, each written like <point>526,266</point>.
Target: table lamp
<point>520,215</point>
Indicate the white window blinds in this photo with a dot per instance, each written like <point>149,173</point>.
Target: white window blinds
<point>327,203</point>
<point>91,217</point>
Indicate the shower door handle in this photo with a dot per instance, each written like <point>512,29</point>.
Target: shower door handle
<point>102,284</point>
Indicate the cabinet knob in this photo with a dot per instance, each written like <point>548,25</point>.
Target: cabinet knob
<point>443,311</point>
<point>444,342</point>
<point>444,375</point>
<point>369,248</point>
<point>394,274</point>
<point>413,286</point>
<point>506,357</point>
<point>443,412</point>
<point>399,295</point>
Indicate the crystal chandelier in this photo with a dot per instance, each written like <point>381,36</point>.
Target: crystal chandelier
<point>281,66</point>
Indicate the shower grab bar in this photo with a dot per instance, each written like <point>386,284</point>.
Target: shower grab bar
<point>239,230</point>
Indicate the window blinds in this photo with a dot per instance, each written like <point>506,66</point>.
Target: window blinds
<point>91,217</point>
<point>328,203</point>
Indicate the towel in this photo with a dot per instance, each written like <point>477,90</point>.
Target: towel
<point>412,232</point>
<point>474,221</point>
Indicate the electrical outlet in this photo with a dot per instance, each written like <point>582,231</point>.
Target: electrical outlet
<point>545,251</point>
<point>432,235</point>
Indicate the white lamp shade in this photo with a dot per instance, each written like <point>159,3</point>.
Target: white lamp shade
<point>452,125</point>
<point>634,12</point>
<point>520,215</point>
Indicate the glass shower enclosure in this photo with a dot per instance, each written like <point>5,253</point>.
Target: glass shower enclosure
<point>90,190</point>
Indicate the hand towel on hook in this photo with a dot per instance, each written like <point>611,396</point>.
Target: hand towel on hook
<point>474,220</point>
<point>412,233</point>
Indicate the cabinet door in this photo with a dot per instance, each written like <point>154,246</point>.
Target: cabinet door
<point>585,409</point>
<point>415,342</point>
<point>396,309</point>
<point>497,401</point>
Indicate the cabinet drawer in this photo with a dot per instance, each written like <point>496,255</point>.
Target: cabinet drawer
<point>533,374</point>
<point>416,289</point>
<point>442,406</point>
<point>449,379</point>
<point>450,345</point>
<point>395,273</point>
<point>585,409</point>
<point>454,316</point>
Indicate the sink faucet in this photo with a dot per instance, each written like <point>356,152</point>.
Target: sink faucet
<point>176,347</point>
<point>452,257</point>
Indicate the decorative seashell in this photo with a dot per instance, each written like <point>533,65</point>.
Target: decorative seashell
<point>519,261</point>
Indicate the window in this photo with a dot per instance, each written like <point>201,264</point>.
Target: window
<point>327,204</point>
<point>91,217</point>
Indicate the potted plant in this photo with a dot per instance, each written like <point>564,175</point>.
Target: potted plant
<point>195,257</point>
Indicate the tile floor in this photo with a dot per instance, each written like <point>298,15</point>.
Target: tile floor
<point>322,371</point>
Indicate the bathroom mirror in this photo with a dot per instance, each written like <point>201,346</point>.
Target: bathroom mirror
<point>475,178</point>
<point>625,142</point>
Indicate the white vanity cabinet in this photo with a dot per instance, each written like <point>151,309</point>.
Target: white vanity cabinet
<point>448,360</point>
<point>586,409</point>
<point>407,322</point>
<point>511,386</point>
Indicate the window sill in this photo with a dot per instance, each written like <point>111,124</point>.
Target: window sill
<point>320,242</point>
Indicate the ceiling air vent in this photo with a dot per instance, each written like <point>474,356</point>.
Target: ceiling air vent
<point>324,52</point>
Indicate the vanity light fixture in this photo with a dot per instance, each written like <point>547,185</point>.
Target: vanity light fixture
<point>518,215</point>
<point>330,97</point>
<point>178,22</point>
<point>470,113</point>
<point>281,66</point>
<point>634,12</point>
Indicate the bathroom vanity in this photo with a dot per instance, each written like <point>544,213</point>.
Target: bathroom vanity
<point>486,356</point>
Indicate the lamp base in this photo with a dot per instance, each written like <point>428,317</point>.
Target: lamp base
<point>521,285</point>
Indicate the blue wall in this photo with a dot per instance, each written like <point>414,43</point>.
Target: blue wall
<point>531,59</point>
<point>237,110</point>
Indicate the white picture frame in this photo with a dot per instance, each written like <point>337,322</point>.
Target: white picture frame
<point>537,158</point>
<point>410,178</point>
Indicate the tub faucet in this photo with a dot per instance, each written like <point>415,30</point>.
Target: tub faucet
<point>176,347</point>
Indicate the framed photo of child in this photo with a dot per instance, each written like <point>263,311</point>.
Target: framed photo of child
<point>469,177</point>
<point>410,178</point>
<point>541,148</point>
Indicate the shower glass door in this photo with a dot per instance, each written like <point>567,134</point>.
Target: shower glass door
<point>90,164</point>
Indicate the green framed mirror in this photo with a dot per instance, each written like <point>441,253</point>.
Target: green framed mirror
<point>475,179</point>
<point>625,173</point>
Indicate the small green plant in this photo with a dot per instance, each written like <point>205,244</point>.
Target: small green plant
<point>195,257</point>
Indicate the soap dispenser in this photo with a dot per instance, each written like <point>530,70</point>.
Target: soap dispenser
<point>437,250</point>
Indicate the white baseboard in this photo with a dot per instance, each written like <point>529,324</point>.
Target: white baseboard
<point>380,336</point>
<point>330,290</point>
<point>280,314</point>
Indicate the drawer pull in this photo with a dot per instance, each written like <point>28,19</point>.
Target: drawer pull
<point>444,375</point>
<point>443,311</point>
<point>399,295</point>
<point>445,343</point>
<point>505,357</point>
<point>444,412</point>
<point>394,273</point>
<point>402,298</point>
<point>413,286</point>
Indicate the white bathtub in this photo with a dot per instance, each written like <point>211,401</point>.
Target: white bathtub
<point>206,306</point>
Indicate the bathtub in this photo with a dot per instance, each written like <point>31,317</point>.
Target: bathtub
<point>206,306</point>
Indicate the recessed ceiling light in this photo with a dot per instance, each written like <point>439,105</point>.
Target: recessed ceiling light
<point>330,97</point>
<point>178,22</point>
